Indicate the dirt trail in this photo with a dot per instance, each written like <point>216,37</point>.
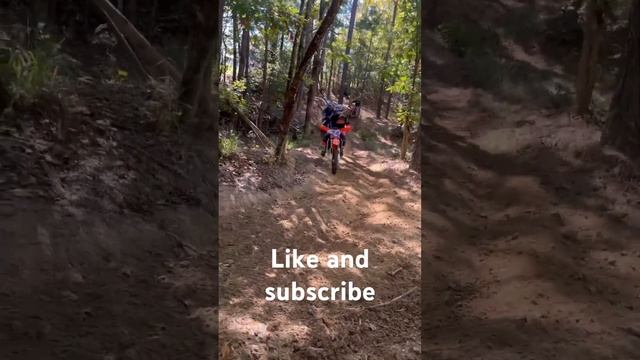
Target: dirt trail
<point>532,236</point>
<point>372,203</point>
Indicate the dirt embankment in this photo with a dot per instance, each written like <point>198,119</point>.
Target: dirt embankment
<point>108,235</point>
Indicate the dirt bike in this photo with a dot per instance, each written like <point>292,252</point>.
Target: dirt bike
<point>354,110</point>
<point>335,145</point>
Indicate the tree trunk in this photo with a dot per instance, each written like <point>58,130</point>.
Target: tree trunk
<point>281,45</point>
<point>321,77</point>
<point>209,109</point>
<point>315,75</point>
<point>322,61</point>
<point>309,110</point>
<point>323,49</point>
<point>622,130</point>
<point>306,28</point>
<point>195,88</point>
<point>246,40</point>
<point>388,107</point>
<point>243,68</point>
<point>304,39</point>
<point>593,29</point>
<point>265,76</point>
<point>407,127</point>
<point>223,61</point>
<point>366,66</point>
<point>329,80</point>
<point>234,75</point>
<point>292,90</point>
<point>356,74</point>
<point>265,64</point>
<point>344,83</point>
<point>425,113</point>
<point>338,77</point>
<point>294,48</point>
<point>218,19</point>
<point>386,61</point>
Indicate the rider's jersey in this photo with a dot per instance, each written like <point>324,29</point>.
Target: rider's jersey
<point>335,121</point>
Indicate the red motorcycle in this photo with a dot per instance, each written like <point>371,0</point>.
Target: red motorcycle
<point>335,144</point>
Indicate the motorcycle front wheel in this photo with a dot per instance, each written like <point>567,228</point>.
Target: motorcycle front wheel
<point>334,161</point>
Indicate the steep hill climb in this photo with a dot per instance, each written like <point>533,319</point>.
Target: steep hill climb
<point>372,203</point>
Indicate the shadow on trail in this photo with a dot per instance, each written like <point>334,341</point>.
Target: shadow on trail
<point>107,285</point>
<point>513,224</point>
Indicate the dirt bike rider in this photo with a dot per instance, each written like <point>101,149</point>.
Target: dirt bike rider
<point>334,118</point>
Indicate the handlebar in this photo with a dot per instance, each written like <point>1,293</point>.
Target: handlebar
<point>345,130</point>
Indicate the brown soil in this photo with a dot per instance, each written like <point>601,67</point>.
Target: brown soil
<point>372,203</point>
<point>531,232</point>
<point>107,247</point>
<point>532,253</point>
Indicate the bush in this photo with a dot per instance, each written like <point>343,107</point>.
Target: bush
<point>31,72</point>
<point>28,72</point>
<point>233,95</point>
<point>228,145</point>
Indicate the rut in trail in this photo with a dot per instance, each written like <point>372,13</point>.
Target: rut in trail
<point>372,203</point>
